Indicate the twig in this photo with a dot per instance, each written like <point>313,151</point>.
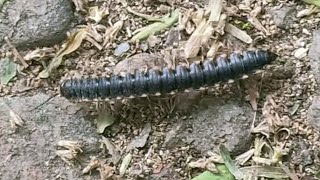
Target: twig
<point>16,53</point>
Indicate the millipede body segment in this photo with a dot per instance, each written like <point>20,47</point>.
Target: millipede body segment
<point>206,73</point>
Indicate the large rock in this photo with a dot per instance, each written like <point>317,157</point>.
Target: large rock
<point>30,23</point>
<point>29,152</point>
<point>314,113</point>
<point>314,54</point>
<point>216,121</point>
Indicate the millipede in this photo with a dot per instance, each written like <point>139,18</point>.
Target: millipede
<point>167,80</point>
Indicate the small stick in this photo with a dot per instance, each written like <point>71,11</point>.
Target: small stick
<point>16,53</point>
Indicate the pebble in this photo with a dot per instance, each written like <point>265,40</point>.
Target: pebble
<point>301,53</point>
<point>121,48</point>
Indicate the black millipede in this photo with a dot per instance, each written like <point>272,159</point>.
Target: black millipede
<point>197,75</point>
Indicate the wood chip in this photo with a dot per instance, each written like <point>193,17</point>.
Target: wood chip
<point>238,33</point>
<point>215,7</point>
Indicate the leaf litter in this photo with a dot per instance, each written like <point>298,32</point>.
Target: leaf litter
<point>272,124</point>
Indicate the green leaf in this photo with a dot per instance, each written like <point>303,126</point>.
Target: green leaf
<point>8,70</point>
<point>314,2</point>
<point>229,163</point>
<point>224,174</point>
<point>104,120</point>
<point>156,27</point>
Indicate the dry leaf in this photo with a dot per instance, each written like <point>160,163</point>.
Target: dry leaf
<point>238,33</point>
<point>111,33</point>
<point>93,164</point>
<point>125,164</point>
<point>184,18</point>
<point>39,53</point>
<point>15,119</point>
<point>97,14</point>
<point>67,156</point>
<point>264,171</point>
<point>71,45</point>
<point>197,17</point>
<point>141,140</point>
<point>104,120</point>
<point>243,158</point>
<point>71,145</point>
<point>106,171</point>
<point>221,24</point>
<point>307,12</point>
<point>214,49</point>
<point>112,150</point>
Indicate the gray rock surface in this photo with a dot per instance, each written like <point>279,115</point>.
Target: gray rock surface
<point>29,152</point>
<point>216,121</point>
<point>30,23</point>
<point>314,113</point>
<point>283,17</point>
<point>314,54</point>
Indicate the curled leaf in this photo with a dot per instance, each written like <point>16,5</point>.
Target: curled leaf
<point>71,45</point>
<point>104,120</point>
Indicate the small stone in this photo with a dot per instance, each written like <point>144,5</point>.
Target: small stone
<point>301,53</point>
<point>283,17</point>
<point>121,48</point>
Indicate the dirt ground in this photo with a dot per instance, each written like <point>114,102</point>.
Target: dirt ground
<point>261,120</point>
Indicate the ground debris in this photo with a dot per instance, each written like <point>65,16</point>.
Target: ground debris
<point>140,140</point>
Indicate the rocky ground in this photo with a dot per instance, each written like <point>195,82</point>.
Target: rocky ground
<point>269,122</point>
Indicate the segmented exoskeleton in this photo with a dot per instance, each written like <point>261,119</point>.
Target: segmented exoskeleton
<point>206,73</point>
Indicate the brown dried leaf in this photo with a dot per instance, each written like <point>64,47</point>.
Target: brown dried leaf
<point>106,171</point>
<point>15,119</point>
<point>39,53</point>
<point>307,12</point>
<point>214,49</point>
<point>197,16</point>
<point>111,33</point>
<point>243,158</point>
<point>71,45</point>
<point>71,145</point>
<point>112,150</point>
<point>238,33</point>
<point>67,156</point>
<point>93,164</point>
<point>96,13</point>
<point>221,24</point>
<point>205,164</point>
<point>184,18</point>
